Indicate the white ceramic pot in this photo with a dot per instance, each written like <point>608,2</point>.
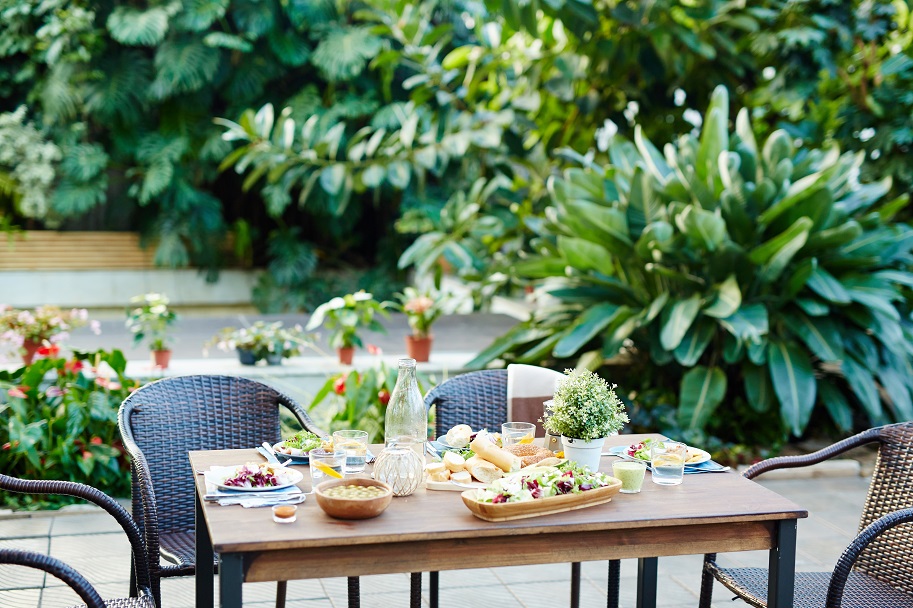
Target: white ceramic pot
<point>584,453</point>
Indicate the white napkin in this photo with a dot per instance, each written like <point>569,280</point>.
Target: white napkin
<point>528,386</point>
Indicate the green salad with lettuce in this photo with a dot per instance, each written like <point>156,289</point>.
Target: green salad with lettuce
<point>566,478</point>
<point>304,441</point>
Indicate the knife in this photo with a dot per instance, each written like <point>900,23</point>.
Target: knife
<point>270,457</point>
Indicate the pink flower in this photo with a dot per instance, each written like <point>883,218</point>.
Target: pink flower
<point>55,391</point>
<point>95,326</point>
<point>374,349</point>
<point>419,305</point>
<point>16,392</point>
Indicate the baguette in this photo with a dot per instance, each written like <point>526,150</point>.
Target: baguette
<point>485,471</point>
<point>461,477</point>
<point>437,471</point>
<point>454,462</point>
<point>485,448</point>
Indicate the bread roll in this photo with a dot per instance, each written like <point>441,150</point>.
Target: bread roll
<point>486,449</point>
<point>454,462</point>
<point>461,477</point>
<point>458,436</point>
<point>529,454</point>
<point>437,471</point>
<point>485,471</point>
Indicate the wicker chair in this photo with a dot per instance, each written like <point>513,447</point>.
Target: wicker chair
<point>141,599</point>
<point>163,421</point>
<point>876,570</point>
<point>479,399</point>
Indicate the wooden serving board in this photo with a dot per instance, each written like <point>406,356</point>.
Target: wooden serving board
<point>507,511</point>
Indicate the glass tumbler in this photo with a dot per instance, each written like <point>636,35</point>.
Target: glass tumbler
<point>667,459</point>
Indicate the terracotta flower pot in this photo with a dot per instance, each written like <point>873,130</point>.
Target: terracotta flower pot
<point>31,347</point>
<point>419,348</point>
<point>161,358</point>
<point>346,355</point>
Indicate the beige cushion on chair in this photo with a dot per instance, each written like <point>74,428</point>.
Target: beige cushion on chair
<point>528,386</point>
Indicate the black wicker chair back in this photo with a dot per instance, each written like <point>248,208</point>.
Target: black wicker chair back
<point>478,399</point>
<point>889,558</point>
<point>875,569</point>
<point>164,420</point>
<point>143,598</point>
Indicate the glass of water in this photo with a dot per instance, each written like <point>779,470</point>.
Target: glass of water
<point>667,459</point>
<point>326,464</point>
<point>355,444</point>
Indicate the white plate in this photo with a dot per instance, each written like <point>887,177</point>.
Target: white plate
<point>695,455</point>
<point>287,477</point>
<point>296,455</point>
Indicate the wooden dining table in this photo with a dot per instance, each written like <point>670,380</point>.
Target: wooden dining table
<point>432,530</point>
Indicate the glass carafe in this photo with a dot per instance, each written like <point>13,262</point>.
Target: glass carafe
<point>406,420</point>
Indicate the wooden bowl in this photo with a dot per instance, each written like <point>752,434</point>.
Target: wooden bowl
<point>353,508</point>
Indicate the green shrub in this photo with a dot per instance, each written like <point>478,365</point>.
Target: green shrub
<point>65,429</point>
<point>744,274</point>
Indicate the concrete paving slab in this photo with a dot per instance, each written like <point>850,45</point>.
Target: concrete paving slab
<point>20,577</point>
<point>25,527</point>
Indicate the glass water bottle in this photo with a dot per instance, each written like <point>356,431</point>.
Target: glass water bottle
<point>406,419</point>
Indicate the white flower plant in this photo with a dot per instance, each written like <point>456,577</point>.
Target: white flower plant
<point>584,407</point>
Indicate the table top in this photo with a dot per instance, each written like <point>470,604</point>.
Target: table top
<point>712,498</point>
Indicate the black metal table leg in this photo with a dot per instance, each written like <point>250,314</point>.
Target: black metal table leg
<point>231,575</point>
<point>781,578</point>
<point>415,590</point>
<point>575,584</point>
<point>433,589</point>
<point>614,583</point>
<point>647,569</point>
<point>204,558</point>
<point>354,585</point>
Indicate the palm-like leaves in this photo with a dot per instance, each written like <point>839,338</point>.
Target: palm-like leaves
<point>767,266</point>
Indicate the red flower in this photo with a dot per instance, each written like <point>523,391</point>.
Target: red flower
<point>7,446</point>
<point>96,440</point>
<point>383,395</point>
<point>17,392</point>
<point>86,454</point>
<point>49,351</point>
<point>73,366</point>
<point>339,385</point>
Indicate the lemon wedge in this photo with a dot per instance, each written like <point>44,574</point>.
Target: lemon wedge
<point>527,439</point>
<point>327,470</point>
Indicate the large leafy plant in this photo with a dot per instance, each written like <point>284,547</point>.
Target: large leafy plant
<point>65,429</point>
<point>749,273</point>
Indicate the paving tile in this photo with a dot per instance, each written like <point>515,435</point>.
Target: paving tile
<point>85,523</point>
<point>21,598</point>
<point>21,577</point>
<point>461,578</point>
<point>543,573</point>
<point>102,558</point>
<point>25,527</point>
<point>474,595</point>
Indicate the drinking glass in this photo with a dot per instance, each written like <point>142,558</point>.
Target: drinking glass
<point>355,444</point>
<point>667,459</point>
<point>517,432</point>
<point>326,463</point>
<point>631,474</point>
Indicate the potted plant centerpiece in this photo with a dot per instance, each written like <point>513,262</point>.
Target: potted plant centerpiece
<point>422,309</point>
<point>44,326</point>
<point>262,341</point>
<point>150,319</point>
<point>584,411</point>
<point>344,317</point>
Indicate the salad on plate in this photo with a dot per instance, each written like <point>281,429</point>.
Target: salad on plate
<point>641,451</point>
<point>253,475</point>
<point>299,444</point>
<point>543,482</point>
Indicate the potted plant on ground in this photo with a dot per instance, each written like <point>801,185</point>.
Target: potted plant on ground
<point>344,317</point>
<point>422,309</point>
<point>29,330</point>
<point>584,411</point>
<point>262,341</point>
<point>150,319</point>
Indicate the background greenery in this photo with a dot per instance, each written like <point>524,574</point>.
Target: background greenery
<point>341,142</point>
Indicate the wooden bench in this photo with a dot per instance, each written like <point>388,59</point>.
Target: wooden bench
<point>50,250</point>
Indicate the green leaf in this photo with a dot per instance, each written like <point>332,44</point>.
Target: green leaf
<point>820,335</point>
<point>705,229</point>
<point>727,301</point>
<point>702,390</point>
<point>399,174</point>
<point>345,52</point>
<point>776,253</point>
<point>758,389</point>
<point>138,27</point>
<point>585,255</point>
<point>695,342</point>
<point>588,325</point>
<point>825,285</point>
<point>898,393</point>
<point>794,383</point>
<point>748,324</point>
<point>677,319</point>
<point>862,382</point>
<point>332,178</point>
<point>372,176</point>
<point>837,406</point>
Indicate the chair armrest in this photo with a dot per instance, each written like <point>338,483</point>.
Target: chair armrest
<point>791,462</point>
<point>852,552</point>
<point>93,495</point>
<point>56,568</point>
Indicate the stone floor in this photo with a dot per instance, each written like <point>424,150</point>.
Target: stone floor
<point>92,543</point>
